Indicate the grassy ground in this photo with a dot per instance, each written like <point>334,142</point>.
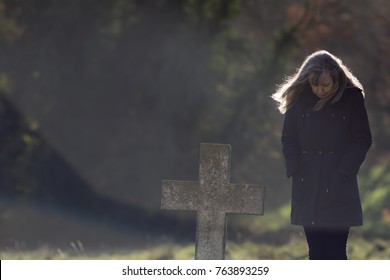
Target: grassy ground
<point>295,249</point>
<point>249,237</point>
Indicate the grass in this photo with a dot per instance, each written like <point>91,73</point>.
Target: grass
<point>269,237</point>
<point>295,249</point>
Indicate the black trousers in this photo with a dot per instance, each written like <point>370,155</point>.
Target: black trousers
<point>327,244</point>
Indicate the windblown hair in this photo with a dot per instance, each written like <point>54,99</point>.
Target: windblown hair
<point>311,71</point>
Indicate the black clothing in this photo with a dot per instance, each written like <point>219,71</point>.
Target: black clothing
<point>323,151</point>
<point>327,244</point>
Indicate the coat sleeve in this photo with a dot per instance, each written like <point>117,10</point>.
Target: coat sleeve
<point>360,138</point>
<point>290,144</point>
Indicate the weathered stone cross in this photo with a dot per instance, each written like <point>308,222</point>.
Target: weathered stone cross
<point>212,197</point>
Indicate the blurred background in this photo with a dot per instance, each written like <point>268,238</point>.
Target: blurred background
<point>102,100</point>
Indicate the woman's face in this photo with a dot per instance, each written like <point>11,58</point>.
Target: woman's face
<point>323,86</point>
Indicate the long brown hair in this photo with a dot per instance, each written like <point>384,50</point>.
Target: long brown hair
<point>312,68</point>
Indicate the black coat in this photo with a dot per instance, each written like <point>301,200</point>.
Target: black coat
<point>323,151</point>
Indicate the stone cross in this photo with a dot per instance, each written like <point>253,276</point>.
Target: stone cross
<point>212,197</point>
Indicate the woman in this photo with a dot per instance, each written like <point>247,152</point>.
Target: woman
<point>325,138</point>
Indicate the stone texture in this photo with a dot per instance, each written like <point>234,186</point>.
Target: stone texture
<point>213,196</point>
